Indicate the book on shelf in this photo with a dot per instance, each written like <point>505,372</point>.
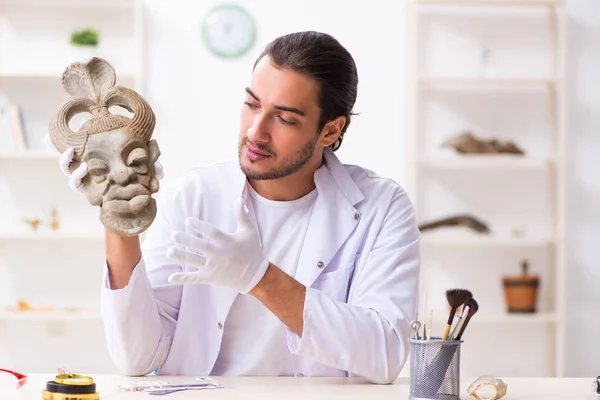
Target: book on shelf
<point>12,132</point>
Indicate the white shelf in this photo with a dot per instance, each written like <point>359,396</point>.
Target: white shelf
<point>468,239</point>
<point>440,318</point>
<point>30,156</point>
<point>513,318</point>
<point>486,83</point>
<point>50,236</point>
<point>485,162</point>
<point>49,315</point>
<point>118,4</point>
<point>516,318</point>
<point>52,75</point>
<point>491,3</point>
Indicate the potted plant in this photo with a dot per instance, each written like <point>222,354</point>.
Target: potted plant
<point>86,42</point>
<point>521,291</point>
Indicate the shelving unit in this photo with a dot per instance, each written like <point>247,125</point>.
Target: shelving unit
<point>470,68</point>
<point>63,268</point>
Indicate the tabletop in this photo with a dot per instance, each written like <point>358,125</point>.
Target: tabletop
<point>292,388</point>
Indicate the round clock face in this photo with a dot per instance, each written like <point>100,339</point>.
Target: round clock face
<point>229,31</point>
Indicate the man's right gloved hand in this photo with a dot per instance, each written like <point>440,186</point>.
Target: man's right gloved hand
<point>76,176</point>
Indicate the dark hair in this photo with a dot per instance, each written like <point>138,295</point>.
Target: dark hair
<point>324,59</point>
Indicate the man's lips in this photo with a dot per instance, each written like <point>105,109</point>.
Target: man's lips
<point>256,151</point>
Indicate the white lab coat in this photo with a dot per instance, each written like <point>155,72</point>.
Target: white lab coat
<point>360,264</point>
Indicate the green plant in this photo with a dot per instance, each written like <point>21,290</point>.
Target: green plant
<point>86,37</point>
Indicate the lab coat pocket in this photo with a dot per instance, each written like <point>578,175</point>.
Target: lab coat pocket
<point>335,283</point>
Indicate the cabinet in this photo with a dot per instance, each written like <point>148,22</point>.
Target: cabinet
<point>56,272</point>
<point>495,68</point>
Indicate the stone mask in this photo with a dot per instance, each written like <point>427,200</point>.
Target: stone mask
<point>118,150</point>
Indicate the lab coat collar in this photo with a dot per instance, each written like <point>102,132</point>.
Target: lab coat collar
<point>333,219</point>
<point>341,178</point>
<point>331,176</point>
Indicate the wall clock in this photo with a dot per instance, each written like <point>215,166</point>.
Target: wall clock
<point>229,31</point>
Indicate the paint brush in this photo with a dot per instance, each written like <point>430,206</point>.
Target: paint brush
<point>456,298</point>
<point>473,308</point>
<point>463,313</point>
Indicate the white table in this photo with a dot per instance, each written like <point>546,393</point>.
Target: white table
<point>311,388</point>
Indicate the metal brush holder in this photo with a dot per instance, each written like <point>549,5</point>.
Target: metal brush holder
<point>434,369</point>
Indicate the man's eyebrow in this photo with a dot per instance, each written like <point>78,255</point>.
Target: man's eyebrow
<point>282,108</point>
<point>251,93</point>
<point>290,109</point>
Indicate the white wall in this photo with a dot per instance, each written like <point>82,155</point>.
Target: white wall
<point>197,96</point>
<point>583,185</point>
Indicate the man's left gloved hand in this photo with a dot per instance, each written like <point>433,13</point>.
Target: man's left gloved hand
<point>234,260</point>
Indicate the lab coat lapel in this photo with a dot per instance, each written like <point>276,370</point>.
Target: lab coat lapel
<point>333,219</point>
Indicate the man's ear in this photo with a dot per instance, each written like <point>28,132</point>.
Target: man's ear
<point>332,130</point>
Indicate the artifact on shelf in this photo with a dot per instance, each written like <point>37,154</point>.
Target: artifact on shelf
<point>486,387</point>
<point>34,223</point>
<point>118,150</point>
<point>486,68</point>
<point>54,223</point>
<point>24,306</point>
<point>465,220</point>
<point>518,231</point>
<point>467,143</point>
<point>520,291</point>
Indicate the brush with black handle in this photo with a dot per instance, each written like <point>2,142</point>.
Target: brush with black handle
<point>456,298</point>
<point>473,308</point>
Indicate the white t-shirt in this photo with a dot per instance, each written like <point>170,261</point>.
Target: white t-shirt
<point>251,332</point>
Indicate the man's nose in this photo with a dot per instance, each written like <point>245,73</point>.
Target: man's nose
<point>121,174</point>
<point>258,131</point>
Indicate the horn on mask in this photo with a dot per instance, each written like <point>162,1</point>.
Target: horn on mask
<point>61,135</point>
<point>143,120</point>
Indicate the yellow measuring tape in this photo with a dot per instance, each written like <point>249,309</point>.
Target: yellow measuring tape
<point>63,396</point>
<point>71,387</point>
<point>73,379</point>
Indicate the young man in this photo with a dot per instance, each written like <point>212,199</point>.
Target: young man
<point>319,276</point>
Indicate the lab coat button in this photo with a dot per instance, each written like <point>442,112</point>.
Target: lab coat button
<point>220,325</point>
<point>357,216</point>
<point>320,264</point>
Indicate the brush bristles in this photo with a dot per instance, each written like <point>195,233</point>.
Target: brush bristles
<point>473,307</point>
<point>458,297</point>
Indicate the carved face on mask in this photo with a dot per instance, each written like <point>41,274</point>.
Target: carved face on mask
<point>118,151</point>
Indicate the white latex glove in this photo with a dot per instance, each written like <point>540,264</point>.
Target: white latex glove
<point>76,176</point>
<point>233,260</point>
